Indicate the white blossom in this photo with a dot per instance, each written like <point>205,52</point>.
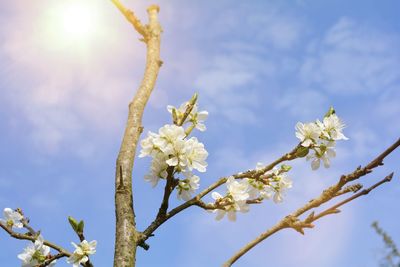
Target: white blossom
<point>322,140</point>
<point>12,218</point>
<point>170,148</point>
<point>258,189</point>
<point>198,118</point>
<point>308,133</point>
<point>164,142</point>
<point>158,170</point>
<point>176,154</point>
<point>196,155</point>
<point>148,146</point>
<point>81,253</point>
<point>35,254</point>
<point>278,182</point>
<point>281,186</point>
<point>238,194</point>
<point>239,190</point>
<point>168,135</point>
<point>188,186</point>
<point>332,128</point>
<point>324,152</point>
<point>231,209</point>
<point>254,188</point>
<point>216,195</point>
<point>267,192</point>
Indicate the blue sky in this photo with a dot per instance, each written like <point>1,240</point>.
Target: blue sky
<point>258,66</point>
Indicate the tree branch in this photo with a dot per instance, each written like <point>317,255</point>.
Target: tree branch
<point>127,237</point>
<point>32,236</point>
<point>169,187</point>
<point>292,220</point>
<point>196,200</point>
<point>52,258</point>
<point>131,17</point>
<point>334,209</point>
<point>33,239</point>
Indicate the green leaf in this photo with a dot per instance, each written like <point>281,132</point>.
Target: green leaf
<point>193,100</point>
<point>81,225</point>
<point>73,223</point>
<point>285,167</point>
<point>301,152</point>
<point>174,116</point>
<point>330,112</point>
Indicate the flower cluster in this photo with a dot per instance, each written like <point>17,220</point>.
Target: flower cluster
<point>81,253</point>
<point>12,218</point>
<point>320,138</point>
<point>35,254</point>
<point>271,184</point>
<point>173,152</point>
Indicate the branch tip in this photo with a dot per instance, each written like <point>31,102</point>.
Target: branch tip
<point>153,8</point>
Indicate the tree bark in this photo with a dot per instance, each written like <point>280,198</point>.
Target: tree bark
<point>127,236</point>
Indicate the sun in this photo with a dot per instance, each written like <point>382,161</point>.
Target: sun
<point>77,20</point>
<point>72,21</point>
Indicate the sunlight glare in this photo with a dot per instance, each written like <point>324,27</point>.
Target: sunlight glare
<point>77,20</point>
<point>73,21</point>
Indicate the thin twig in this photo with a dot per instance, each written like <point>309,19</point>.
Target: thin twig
<point>334,209</point>
<point>169,187</point>
<point>33,239</point>
<point>131,17</point>
<point>51,259</point>
<point>354,188</point>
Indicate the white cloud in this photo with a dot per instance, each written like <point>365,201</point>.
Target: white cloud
<point>225,83</point>
<point>303,103</point>
<point>353,58</point>
<point>236,80</point>
<point>280,30</point>
<point>275,27</point>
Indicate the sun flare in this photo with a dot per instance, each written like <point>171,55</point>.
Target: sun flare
<point>77,20</point>
<point>73,21</point>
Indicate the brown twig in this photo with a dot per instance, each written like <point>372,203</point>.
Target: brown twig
<point>131,17</point>
<point>334,209</point>
<point>53,258</point>
<point>354,188</point>
<point>33,239</point>
<point>215,206</point>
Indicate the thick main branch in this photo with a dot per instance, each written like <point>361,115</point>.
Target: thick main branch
<point>126,239</point>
